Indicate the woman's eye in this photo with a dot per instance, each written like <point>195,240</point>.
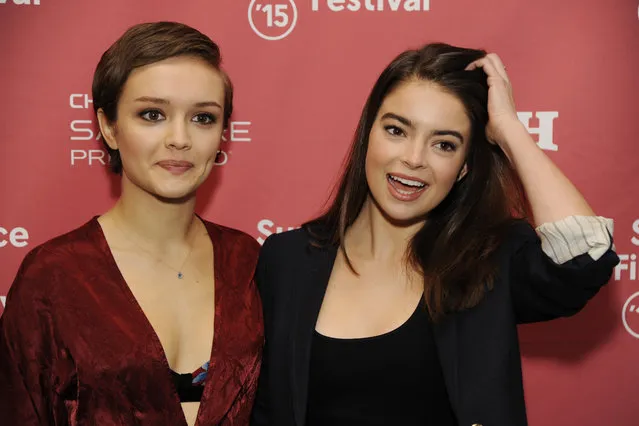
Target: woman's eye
<point>394,130</point>
<point>447,146</point>
<point>152,115</point>
<point>205,118</point>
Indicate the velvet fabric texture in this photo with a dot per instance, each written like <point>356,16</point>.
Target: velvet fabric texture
<point>77,349</point>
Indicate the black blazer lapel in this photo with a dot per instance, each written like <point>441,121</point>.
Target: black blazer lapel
<point>447,349</point>
<point>310,294</point>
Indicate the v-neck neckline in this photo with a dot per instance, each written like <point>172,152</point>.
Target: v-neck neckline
<point>155,339</point>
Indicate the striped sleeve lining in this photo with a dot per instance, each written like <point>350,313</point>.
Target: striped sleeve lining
<point>575,235</point>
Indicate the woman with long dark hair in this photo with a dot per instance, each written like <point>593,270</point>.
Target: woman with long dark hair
<point>399,305</point>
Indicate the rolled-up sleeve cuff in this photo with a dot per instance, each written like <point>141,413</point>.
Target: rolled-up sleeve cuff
<point>572,236</point>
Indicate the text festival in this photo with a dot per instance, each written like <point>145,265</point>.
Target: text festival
<point>374,5</point>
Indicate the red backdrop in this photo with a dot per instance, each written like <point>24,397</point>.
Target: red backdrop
<point>302,70</point>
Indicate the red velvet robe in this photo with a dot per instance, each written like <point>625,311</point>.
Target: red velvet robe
<point>77,349</point>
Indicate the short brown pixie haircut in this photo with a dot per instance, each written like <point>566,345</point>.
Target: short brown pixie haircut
<point>145,44</point>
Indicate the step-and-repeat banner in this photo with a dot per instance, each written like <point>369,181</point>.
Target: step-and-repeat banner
<point>302,71</point>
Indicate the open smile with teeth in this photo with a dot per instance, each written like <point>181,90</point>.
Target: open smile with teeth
<point>406,186</point>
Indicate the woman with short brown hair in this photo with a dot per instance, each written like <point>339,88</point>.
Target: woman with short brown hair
<point>147,314</point>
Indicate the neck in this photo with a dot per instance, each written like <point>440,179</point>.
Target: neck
<point>376,237</point>
<point>157,221</point>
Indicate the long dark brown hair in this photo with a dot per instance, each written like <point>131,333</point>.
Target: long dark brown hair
<point>456,248</point>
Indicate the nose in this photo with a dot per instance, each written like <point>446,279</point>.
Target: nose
<point>414,154</point>
<point>178,135</point>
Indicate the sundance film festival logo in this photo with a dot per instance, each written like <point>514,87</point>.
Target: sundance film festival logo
<point>276,19</point>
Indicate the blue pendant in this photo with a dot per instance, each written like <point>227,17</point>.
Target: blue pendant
<point>180,275</point>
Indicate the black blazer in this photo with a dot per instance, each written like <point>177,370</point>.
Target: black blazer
<point>478,348</point>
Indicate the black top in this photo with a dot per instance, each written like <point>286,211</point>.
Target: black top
<point>478,348</point>
<point>186,390</point>
<point>386,380</point>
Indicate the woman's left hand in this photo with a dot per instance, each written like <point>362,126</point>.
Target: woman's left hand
<point>502,115</point>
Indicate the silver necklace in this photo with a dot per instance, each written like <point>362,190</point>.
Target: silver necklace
<point>180,274</point>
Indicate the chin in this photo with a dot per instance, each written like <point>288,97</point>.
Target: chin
<point>405,219</point>
<point>176,199</point>
<point>403,215</point>
<point>174,195</point>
